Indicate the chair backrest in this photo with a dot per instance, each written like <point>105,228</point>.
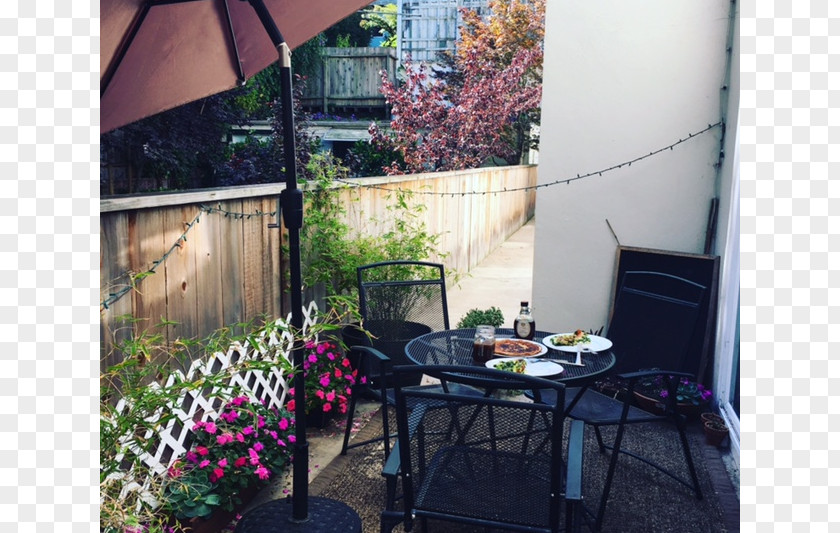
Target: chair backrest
<point>399,301</point>
<point>495,458</point>
<point>654,317</point>
<point>403,292</point>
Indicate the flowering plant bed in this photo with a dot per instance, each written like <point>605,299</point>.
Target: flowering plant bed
<point>328,377</point>
<point>652,394</point>
<point>245,447</point>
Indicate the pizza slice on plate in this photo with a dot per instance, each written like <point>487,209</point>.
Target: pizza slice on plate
<point>517,348</point>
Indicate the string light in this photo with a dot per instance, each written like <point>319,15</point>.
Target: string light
<point>113,297</point>
<point>558,181</point>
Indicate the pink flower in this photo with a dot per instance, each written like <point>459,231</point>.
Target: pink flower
<point>258,446</point>
<point>273,434</point>
<point>210,428</point>
<point>239,400</point>
<point>255,458</point>
<point>327,407</point>
<point>222,462</point>
<point>330,396</point>
<point>240,437</point>
<point>202,450</point>
<point>175,470</point>
<point>281,442</point>
<point>325,380</point>
<point>217,474</point>
<point>345,362</point>
<point>260,421</point>
<point>313,358</point>
<point>338,373</point>
<point>262,472</point>
<point>320,394</point>
<point>192,456</point>
<point>198,425</point>
<point>247,430</point>
<point>204,464</point>
<point>224,438</point>
<point>229,416</point>
<point>292,439</point>
<point>239,463</point>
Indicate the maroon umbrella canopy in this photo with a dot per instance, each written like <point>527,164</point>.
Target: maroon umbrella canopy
<point>159,54</point>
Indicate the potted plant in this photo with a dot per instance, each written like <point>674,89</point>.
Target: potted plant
<point>328,377</point>
<point>230,458</point>
<point>652,393</point>
<point>477,317</point>
<point>715,428</point>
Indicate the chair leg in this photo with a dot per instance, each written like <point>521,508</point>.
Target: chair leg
<point>351,412</point>
<point>573,512</point>
<point>680,422</point>
<point>601,446</point>
<point>386,431</point>
<point>616,449</point>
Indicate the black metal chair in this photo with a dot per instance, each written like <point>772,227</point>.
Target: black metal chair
<point>398,301</point>
<point>495,462</point>
<point>653,320</point>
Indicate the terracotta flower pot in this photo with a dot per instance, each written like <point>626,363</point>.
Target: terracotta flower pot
<point>711,417</point>
<point>220,519</point>
<point>317,418</point>
<point>715,433</point>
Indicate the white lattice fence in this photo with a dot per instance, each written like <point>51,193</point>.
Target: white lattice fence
<point>174,435</point>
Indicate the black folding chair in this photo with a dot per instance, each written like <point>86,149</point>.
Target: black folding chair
<point>495,462</point>
<point>654,317</point>
<point>398,301</point>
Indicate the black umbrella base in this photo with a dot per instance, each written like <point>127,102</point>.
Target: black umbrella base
<point>325,516</point>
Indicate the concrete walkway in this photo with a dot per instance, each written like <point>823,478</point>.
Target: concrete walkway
<point>502,279</point>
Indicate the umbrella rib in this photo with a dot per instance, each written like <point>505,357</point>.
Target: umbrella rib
<point>235,47</point>
<point>129,39</point>
<point>123,49</point>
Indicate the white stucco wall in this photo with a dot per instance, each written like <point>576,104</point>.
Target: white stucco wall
<point>622,79</point>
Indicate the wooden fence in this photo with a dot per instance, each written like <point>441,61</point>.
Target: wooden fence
<point>208,259</point>
<point>350,79</point>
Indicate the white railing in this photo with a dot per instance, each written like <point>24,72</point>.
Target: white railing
<point>174,436</point>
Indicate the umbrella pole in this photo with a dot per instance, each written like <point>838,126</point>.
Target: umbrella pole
<point>291,201</point>
<point>325,513</point>
<point>292,207</point>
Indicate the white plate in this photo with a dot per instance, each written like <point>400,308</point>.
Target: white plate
<point>543,349</point>
<point>540,369</point>
<point>595,344</point>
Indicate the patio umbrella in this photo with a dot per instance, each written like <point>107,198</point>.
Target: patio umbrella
<point>159,54</point>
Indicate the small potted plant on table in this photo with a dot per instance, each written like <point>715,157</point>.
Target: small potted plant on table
<point>477,317</point>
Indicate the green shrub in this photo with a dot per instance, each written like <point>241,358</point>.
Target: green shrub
<point>477,317</point>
